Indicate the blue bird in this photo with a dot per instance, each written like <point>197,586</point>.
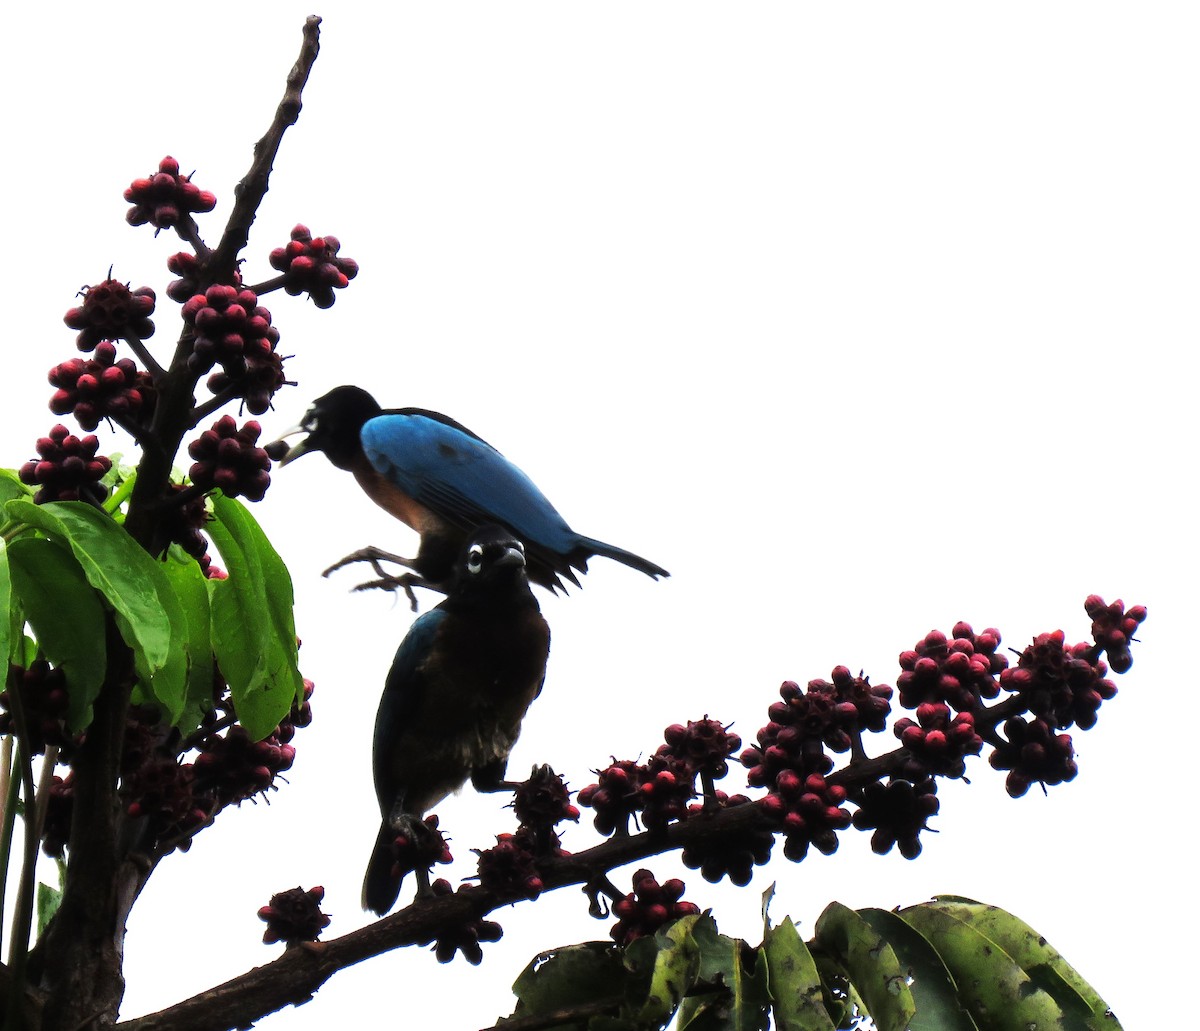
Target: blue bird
<point>460,684</point>
<point>444,481</point>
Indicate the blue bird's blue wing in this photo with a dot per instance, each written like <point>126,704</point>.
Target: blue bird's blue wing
<point>401,700</point>
<point>462,479</point>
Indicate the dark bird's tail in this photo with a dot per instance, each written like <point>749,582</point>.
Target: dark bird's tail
<point>380,889</point>
<point>589,546</point>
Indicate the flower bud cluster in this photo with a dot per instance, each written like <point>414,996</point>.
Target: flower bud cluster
<point>294,916</point>
<point>311,265</point>
<point>166,197</point>
<point>648,907</point>
<point>67,468</point>
<point>111,311</point>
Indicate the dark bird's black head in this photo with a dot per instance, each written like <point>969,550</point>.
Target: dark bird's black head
<point>492,560</point>
<point>333,424</point>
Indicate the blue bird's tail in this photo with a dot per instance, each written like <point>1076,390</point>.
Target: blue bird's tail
<point>380,889</point>
<point>589,546</point>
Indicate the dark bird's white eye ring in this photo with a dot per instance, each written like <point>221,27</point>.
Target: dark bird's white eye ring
<point>475,558</point>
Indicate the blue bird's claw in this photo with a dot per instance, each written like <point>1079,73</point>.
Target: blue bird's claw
<point>373,556</point>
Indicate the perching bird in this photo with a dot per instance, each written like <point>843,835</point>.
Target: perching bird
<point>443,481</point>
<point>460,684</point>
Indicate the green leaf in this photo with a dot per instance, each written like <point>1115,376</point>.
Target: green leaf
<point>570,976</point>
<point>191,588</point>
<point>996,991</point>
<point>11,486</point>
<point>253,631</point>
<point>1032,953</point>
<point>676,964</point>
<point>933,989</point>
<point>795,986</point>
<point>49,898</point>
<point>66,615</point>
<point>10,622</point>
<point>130,580</point>
<point>870,963</point>
<point>741,1002</point>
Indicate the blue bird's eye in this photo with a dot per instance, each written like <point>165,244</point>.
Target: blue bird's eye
<point>475,559</point>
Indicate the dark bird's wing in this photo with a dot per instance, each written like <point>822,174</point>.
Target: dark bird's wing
<point>403,697</point>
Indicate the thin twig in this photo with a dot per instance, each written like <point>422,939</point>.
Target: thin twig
<point>139,348</point>
<point>248,194</point>
<point>269,285</point>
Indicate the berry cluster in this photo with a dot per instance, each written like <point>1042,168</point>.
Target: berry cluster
<point>509,868</point>
<point>829,714</point>
<point>231,329</point>
<point>464,937</point>
<point>729,855</point>
<point>181,522</point>
<point>111,311</point>
<point>43,696</point>
<point>166,197</point>
<point>661,789</point>
<point>615,797</point>
<point>704,745</point>
<point>419,849</point>
<point>541,803</point>
<point>1032,754</point>
<point>1062,684</point>
<point>294,916</point>
<point>938,740</point>
<point>229,458</point>
<point>809,812</point>
<point>165,793</point>
<point>99,387</point>
<point>67,469</point>
<point>56,823</point>
<point>648,907</point>
<point>1113,629</point>
<point>960,672</point>
<point>311,265</point>
<point>187,266</point>
<point>234,768</point>
<point>897,812</point>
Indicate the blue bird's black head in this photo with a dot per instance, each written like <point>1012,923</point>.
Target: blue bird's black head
<point>333,424</point>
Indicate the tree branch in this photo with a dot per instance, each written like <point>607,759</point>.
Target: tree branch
<point>248,194</point>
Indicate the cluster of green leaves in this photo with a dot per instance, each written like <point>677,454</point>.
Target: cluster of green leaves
<point>67,568</point>
<point>947,965</point>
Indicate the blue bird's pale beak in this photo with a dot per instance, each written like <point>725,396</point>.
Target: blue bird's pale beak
<point>294,451</point>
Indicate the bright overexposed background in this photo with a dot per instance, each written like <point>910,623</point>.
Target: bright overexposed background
<point>861,319</point>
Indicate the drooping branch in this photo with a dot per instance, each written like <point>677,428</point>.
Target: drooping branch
<point>295,976</point>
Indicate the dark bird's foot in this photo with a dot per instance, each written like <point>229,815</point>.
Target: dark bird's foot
<point>384,580</point>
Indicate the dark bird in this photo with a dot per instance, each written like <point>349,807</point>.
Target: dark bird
<point>443,481</point>
<point>459,686</point>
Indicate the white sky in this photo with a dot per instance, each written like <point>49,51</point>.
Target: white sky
<point>861,319</point>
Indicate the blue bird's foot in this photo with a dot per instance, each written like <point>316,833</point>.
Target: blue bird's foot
<point>386,581</point>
